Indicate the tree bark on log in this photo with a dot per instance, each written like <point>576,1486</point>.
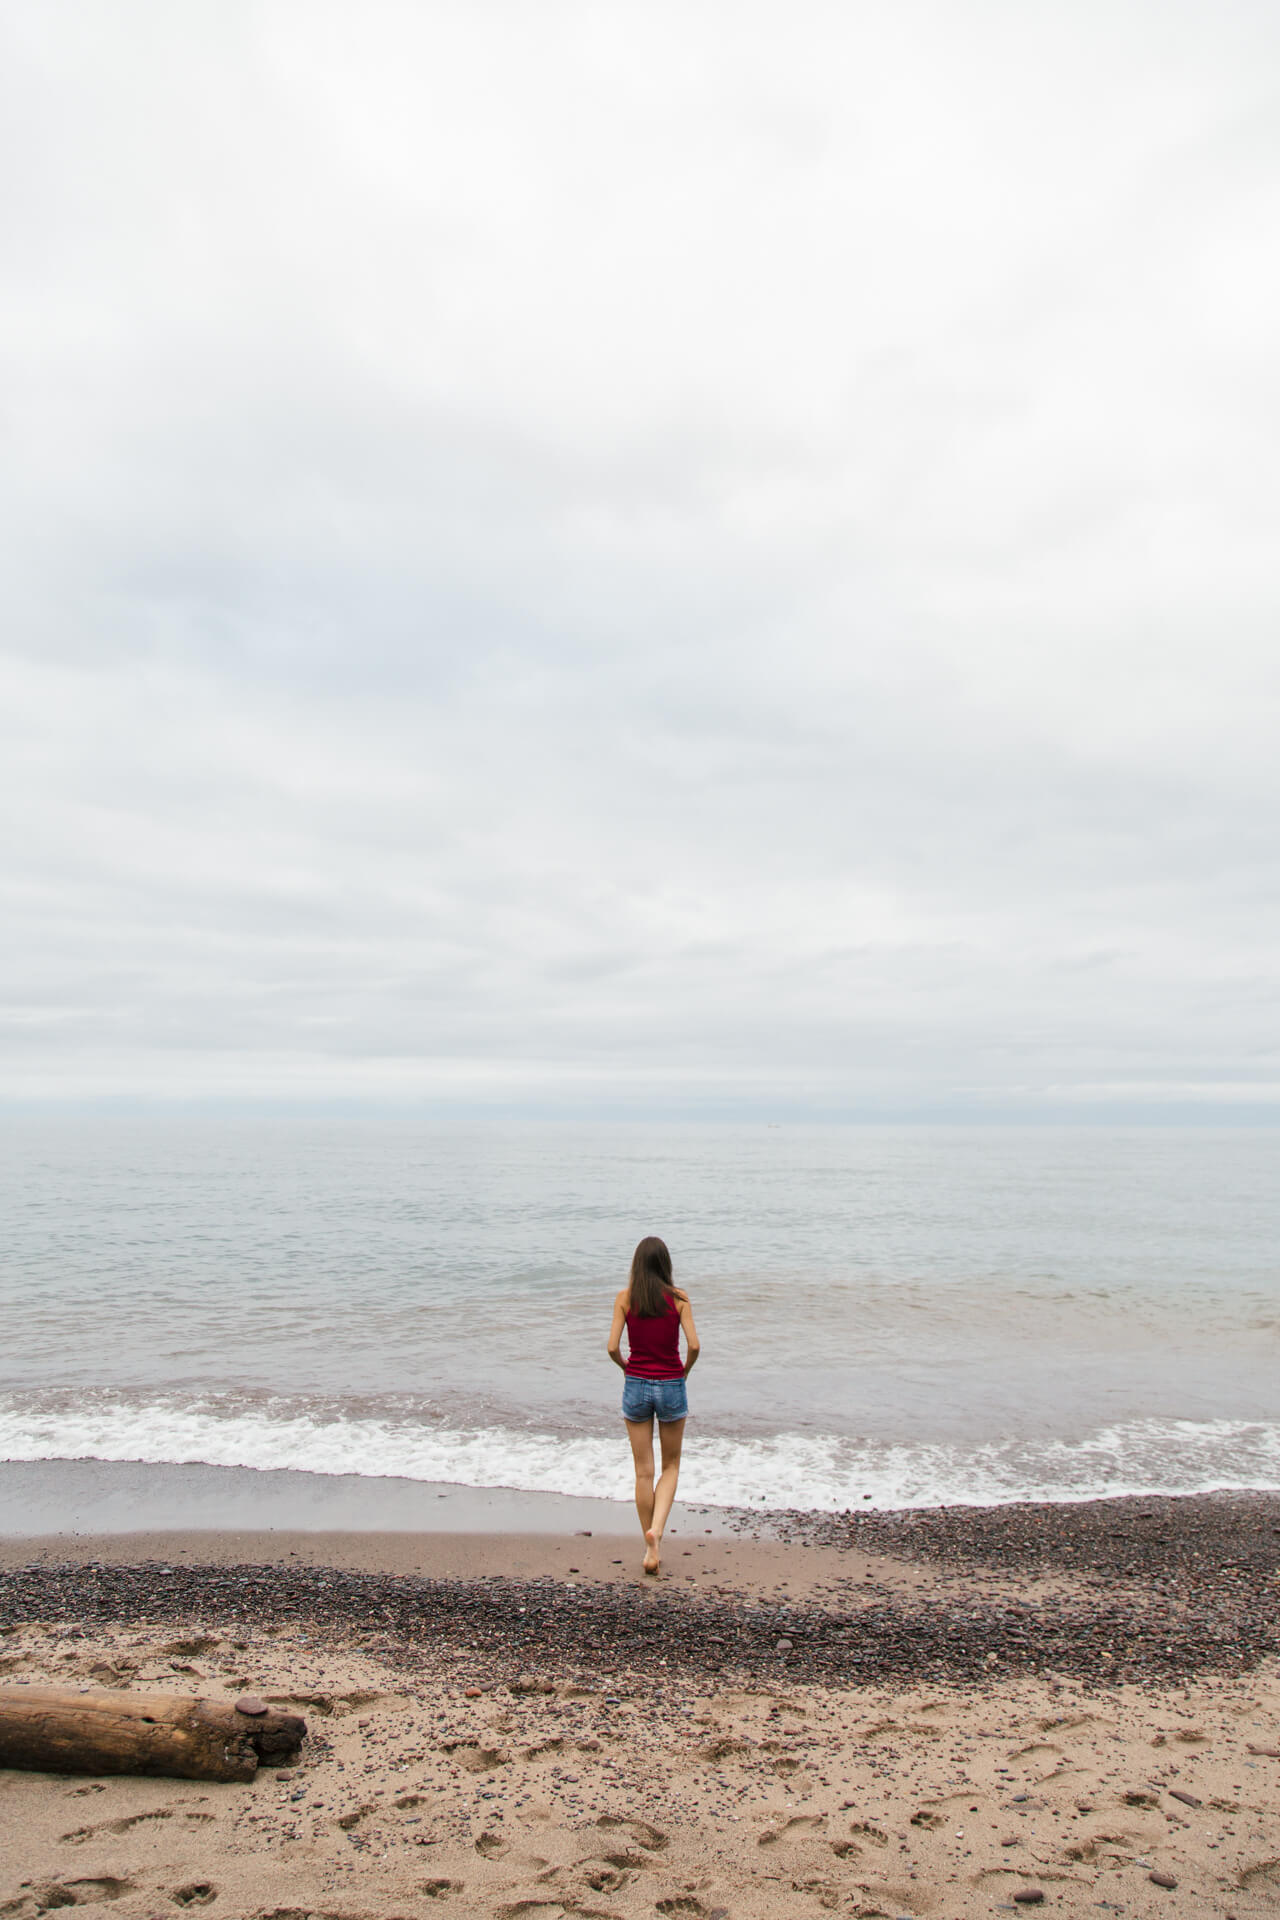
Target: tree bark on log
<point>59,1730</point>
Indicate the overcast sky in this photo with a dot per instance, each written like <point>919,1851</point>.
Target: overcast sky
<point>690,558</point>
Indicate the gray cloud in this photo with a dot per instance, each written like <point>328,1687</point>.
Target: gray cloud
<point>717,558</point>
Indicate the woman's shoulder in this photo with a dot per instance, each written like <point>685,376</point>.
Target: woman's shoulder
<point>680,1297</point>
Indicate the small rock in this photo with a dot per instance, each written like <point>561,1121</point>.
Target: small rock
<point>1029,1896</point>
<point>1187,1799</point>
<point>471,1693</point>
<point>249,1704</point>
<point>1010,1840</point>
<point>784,1646</point>
<point>1162,1880</point>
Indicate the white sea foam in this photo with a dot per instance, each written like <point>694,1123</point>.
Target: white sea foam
<point>820,1472</point>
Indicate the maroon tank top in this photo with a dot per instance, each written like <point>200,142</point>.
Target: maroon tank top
<point>655,1346</point>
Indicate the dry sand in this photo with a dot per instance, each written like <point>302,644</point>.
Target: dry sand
<point>440,1777</point>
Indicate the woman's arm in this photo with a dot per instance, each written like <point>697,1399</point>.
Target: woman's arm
<point>615,1331</point>
<point>691,1337</point>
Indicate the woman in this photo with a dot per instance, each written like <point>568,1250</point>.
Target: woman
<point>653,1309</point>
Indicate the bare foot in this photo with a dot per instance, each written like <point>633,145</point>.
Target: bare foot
<point>651,1557</point>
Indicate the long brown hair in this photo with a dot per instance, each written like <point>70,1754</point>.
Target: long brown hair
<point>651,1287</point>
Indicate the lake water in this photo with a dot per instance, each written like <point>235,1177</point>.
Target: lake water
<point>918,1315</point>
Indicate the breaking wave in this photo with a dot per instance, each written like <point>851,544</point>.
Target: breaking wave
<point>821,1472</point>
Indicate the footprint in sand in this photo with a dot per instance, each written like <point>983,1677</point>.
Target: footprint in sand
<point>545,1909</point>
<point>651,1838</point>
<point>72,1893</point>
<point>308,1913</point>
<point>354,1816</point>
<point>327,1704</point>
<point>799,1827</point>
<point>476,1759</point>
<point>606,1879</point>
<point>1101,1846</point>
<point>956,1800</point>
<point>1266,1873</point>
<point>822,1891</point>
<point>128,1821</point>
<point>321,1703</point>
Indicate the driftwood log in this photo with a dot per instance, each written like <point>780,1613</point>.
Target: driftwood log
<point>57,1730</point>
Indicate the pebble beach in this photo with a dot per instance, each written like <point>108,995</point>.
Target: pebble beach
<point>956,1713</point>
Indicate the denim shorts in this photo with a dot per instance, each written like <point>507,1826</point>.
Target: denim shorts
<point>641,1399</point>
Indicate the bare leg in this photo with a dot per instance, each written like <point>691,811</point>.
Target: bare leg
<point>640,1434</point>
<point>671,1436</point>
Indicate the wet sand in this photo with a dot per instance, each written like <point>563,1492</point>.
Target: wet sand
<point>128,1496</point>
<point>918,1714</point>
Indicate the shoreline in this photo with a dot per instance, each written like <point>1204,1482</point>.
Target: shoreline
<point>52,1498</point>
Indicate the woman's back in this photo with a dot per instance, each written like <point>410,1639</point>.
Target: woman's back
<point>654,1343</point>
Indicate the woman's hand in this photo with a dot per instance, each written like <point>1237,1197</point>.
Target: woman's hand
<point>692,1342</point>
<point>615,1331</point>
